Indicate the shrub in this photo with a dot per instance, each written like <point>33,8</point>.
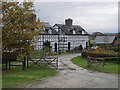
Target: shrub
<point>8,57</point>
<point>100,52</point>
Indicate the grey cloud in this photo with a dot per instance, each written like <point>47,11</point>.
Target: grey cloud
<point>91,16</point>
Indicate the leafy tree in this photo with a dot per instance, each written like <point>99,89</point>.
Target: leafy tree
<point>18,27</point>
<point>117,44</point>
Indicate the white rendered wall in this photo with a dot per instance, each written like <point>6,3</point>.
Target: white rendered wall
<point>75,41</point>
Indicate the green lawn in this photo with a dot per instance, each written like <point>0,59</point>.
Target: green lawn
<point>16,77</point>
<point>108,68</point>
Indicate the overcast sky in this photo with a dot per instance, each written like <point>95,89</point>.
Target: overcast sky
<point>92,16</point>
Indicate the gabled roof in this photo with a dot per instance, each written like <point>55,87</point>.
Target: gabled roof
<point>66,29</point>
<point>54,31</point>
<point>78,28</point>
<point>104,39</point>
<point>48,26</point>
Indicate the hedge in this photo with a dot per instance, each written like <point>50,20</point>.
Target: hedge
<point>86,53</point>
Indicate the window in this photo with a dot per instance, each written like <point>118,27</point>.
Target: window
<point>74,32</point>
<point>80,32</point>
<point>71,31</point>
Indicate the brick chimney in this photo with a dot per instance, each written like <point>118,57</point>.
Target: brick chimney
<point>68,22</point>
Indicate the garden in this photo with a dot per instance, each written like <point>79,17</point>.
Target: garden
<point>107,61</point>
<point>17,71</point>
<point>18,49</point>
<point>18,38</point>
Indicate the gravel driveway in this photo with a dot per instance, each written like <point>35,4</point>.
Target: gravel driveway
<point>72,76</point>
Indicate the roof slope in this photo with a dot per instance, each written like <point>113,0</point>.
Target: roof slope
<point>48,26</point>
<point>78,28</point>
<point>53,31</point>
<point>104,39</point>
<point>66,29</point>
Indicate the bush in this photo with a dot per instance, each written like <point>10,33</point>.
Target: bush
<point>8,57</point>
<point>100,52</point>
<point>85,54</point>
<point>107,56</point>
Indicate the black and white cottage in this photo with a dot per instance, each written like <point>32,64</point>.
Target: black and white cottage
<point>63,36</point>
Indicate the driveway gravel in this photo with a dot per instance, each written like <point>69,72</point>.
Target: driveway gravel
<point>72,76</point>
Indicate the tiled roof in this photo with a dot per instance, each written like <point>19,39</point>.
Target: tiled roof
<point>48,26</point>
<point>54,31</point>
<point>78,28</point>
<point>104,39</point>
<point>66,29</point>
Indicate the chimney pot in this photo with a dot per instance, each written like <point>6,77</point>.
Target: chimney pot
<point>68,22</point>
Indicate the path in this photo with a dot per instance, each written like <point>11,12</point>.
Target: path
<point>72,76</point>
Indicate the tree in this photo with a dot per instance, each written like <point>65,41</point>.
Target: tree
<point>117,45</point>
<point>18,27</point>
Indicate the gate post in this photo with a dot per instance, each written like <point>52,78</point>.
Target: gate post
<point>24,63</point>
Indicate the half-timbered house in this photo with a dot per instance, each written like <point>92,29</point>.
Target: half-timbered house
<point>63,36</point>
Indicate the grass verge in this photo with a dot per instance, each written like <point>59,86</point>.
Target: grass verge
<point>16,77</point>
<point>108,68</point>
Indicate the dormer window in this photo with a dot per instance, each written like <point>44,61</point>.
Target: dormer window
<point>73,31</point>
<point>80,32</point>
<point>56,28</point>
